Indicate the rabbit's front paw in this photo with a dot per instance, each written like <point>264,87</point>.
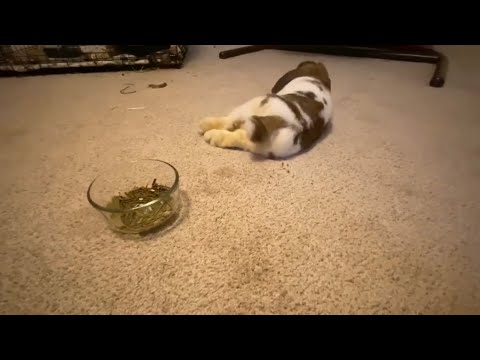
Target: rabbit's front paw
<point>215,137</point>
<point>228,139</point>
<point>210,123</point>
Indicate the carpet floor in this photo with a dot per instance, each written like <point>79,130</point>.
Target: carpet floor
<point>380,217</point>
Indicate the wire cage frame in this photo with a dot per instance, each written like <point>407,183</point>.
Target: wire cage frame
<point>29,59</point>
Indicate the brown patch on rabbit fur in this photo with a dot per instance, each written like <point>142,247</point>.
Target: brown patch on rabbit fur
<point>290,105</point>
<point>237,124</point>
<point>265,125</point>
<point>306,68</point>
<point>308,94</point>
<point>264,101</point>
<point>312,108</point>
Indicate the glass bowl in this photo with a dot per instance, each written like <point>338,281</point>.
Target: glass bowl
<point>137,196</point>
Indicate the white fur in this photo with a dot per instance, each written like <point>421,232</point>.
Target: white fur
<point>327,111</point>
<point>304,83</point>
<point>274,107</point>
<point>282,144</point>
<point>277,107</point>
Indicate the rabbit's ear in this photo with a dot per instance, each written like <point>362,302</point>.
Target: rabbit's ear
<point>306,63</point>
<point>327,82</point>
<point>285,79</point>
<point>323,75</point>
<point>306,68</point>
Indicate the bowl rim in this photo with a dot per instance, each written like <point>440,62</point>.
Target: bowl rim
<point>173,188</point>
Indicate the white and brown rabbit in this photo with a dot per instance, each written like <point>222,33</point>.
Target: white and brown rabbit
<point>281,124</point>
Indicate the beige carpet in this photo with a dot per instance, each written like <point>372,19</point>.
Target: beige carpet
<point>381,217</point>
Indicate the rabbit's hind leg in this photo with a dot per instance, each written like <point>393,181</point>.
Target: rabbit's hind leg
<point>218,123</point>
<point>229,139</point>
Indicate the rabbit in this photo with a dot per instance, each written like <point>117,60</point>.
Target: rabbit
<point>281,124</point>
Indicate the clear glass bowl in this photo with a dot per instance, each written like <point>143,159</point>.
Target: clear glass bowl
<point>136,197</point>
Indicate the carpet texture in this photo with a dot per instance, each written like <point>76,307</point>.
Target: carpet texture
<point>381,217</point>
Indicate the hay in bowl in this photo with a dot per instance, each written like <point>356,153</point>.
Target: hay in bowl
<point>137,209</point>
